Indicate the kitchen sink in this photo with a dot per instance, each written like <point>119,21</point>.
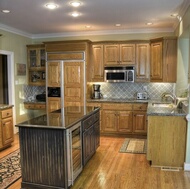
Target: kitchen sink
<point>163,105</point>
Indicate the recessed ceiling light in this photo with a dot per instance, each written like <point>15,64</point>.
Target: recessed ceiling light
<point>6,11</point>
<point>149,23</point>
<point>75,3</point>
<point>75,14</point>
<point>88,26</point>
<point>174,15</point>
<point>51,6</point>
<point>118,25</point>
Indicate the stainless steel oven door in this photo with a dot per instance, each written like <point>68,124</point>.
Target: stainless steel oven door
<point>74,152</point>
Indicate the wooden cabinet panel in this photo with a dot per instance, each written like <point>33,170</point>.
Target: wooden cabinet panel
<point>54,104</point>
<point>156,62</point>
<point>97,63</point>
<point>142,62</point>
<point>54,74</point>
<point>127,54</point>
<point>125,122</point>
<point>119,54</point>
<point>7,131</point>
<point>139,122</point>
<point>117,106</point>
<point>111,54</point>
<point>6,128</point>
<point>35,106</point>
<point>166,140</point>
<point>74,82</point>
<point>110,121</point>
<point>54,119</point>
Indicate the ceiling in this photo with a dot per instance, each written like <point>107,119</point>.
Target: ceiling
<point>32,18</point>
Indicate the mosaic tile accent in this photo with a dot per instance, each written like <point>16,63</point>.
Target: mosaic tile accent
<point>30,92</point>
<point>129,90</point>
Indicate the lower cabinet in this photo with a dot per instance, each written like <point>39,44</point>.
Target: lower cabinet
<point>124,118</point>
<point>90,136</point>
<point>6,128</point>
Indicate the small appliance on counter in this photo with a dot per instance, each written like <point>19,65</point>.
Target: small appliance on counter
<point>142,96</point>
<point>96,94</point>
<point>41,97</point>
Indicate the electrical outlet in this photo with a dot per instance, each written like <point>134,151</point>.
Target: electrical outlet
<point>145,88</point>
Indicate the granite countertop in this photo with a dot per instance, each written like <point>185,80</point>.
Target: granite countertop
<point>34,102</point>
<point>5,106</point>
<point>66,118</point>
<point>151,110</point>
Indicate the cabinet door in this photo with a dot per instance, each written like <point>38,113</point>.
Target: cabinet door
<point>97,134</point>
<point>7,131</point>
<point>88,144</point>
<point>109,121</point>
<point>54,104</point>
<point>170,60</point>
<point>156,67</point>
<point>54,74</point>
<point>125,122</point>
<point>127,54</point>
<point>98,64</point>
<point>74,82</point>
<point>142,62</point>
<point>139,122</point>
<point>111,54</point>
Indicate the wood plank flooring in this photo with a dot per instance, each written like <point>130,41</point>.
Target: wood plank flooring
<point>109,169</point>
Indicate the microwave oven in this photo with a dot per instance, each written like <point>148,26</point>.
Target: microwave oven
<point>119,74</point>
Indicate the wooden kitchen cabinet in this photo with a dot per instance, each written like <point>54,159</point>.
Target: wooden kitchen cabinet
<point>6,128</point>
<point>97,54</point>
<point>54,74</point>
<point>163,67</point>
<point>35,106</point>
<point>116,118</point>
<point>166,141</point>
<point>36,64</point>
<point>54,103</point>
<point>142,62</point>
<point>119,54</point>
<point>140,118</point>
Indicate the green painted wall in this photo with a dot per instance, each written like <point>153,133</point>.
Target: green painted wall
<point>16,44</point>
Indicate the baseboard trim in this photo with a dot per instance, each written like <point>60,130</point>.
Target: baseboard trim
<point>186,166</point>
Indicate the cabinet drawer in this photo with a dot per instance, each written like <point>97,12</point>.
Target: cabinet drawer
<point>88,122</point>
<point>6,113</point>
<point>35,106</point>
<point>140,106</point>
<point>117,106</point>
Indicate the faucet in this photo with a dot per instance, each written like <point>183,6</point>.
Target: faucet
<point>172,96</point>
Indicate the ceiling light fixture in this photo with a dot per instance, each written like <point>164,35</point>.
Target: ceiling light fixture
<point>75,3</point>
<point>75,14</point>
<point>118,25</point>
<point>6,11</point>
<point>51,6</point>
<point>88,26</point>
<point>149,23</point>
<point>174,15</point>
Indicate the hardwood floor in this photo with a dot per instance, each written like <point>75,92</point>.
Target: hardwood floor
<point>109,169</point>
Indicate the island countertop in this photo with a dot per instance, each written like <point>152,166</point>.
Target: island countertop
<point>63,118</point>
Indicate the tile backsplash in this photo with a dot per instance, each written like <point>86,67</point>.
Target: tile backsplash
<point>30,92</point>
<point>129,90</point>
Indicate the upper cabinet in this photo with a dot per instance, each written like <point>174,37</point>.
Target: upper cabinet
<point>36,64</point>
<point>163,67</point>
<point>97,59</point>
<point>143,62</point>
<point>119,54</point>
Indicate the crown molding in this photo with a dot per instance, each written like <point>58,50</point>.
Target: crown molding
<point>15,31</point>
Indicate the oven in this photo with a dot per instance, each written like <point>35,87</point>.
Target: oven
<point>74,152</point>
<point>119,74</point>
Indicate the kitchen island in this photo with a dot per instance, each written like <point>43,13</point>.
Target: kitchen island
<point>51,146</point>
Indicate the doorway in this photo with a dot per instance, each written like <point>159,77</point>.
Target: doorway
<point>4,93</point>
<point>10,90</point>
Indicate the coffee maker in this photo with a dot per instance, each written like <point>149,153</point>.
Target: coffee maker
<point>96,91</point>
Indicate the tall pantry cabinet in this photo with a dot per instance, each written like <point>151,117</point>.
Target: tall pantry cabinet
<point>66,64</point>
